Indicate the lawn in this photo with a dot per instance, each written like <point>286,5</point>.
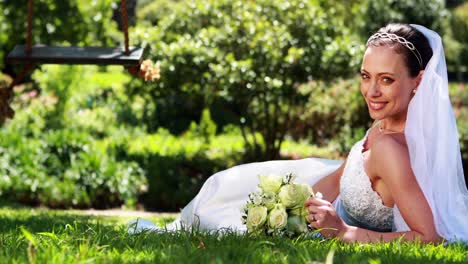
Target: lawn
<point>46,236</point>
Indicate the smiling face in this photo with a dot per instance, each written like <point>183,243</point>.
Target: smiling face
<point>386,84</point>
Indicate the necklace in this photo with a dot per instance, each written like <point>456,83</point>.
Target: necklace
<point>381,129</point>
<point>379,125</point>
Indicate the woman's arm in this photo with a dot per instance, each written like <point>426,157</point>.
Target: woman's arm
<point>390,160</point>
<point>329,185</point>
<point>323,217</point>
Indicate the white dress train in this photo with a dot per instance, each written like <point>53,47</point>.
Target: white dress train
<point>218,204</point>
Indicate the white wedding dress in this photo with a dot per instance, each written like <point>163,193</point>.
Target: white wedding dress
<point>358,204</point>
<point>218,204</point>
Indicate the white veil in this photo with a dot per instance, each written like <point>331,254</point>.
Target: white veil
<point>432,138</point>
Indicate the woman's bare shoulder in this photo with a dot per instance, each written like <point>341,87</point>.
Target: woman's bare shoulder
<point>390,154</point>
<point>392,142</point>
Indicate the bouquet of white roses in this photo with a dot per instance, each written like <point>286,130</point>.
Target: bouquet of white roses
<point>277,206</point>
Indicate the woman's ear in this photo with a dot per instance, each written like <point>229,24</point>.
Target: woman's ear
<point>419,78</point>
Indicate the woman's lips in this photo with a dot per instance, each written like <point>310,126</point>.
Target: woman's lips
<point>376,105</point>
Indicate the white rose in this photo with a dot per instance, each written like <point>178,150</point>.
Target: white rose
<point>278,218</point>
<point>270,183</point>
<point>256,217</point>
<point>294,195</point>
<point>300,211</point>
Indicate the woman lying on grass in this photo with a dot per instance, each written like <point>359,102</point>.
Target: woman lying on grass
<point>403,179</point>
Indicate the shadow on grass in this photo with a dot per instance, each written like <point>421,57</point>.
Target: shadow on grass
<point>39,220</point>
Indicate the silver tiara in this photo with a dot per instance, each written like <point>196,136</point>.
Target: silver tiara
<point>401,40</point>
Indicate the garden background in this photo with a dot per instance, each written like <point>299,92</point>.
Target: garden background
<point>241,81</point>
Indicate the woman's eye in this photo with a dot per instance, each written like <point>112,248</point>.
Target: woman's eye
<point>387,80</point>
<point>364,76</point>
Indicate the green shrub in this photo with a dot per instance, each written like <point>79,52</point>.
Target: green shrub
<point>335,113</point>
<point>206,129</point>
<point>377,13</point>
<point>60,82</point>
<point>459,99</point>
<point>87,98</point>
<point>176,167</point>
<point>151,12</point>
<point>63,169</point>
<point>53,154</point>
<point>459,27</point>
<point>253,55</point>
<point>463,136</point>
<point>21,168</point>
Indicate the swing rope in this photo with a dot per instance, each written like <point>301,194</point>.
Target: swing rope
<point>29,31</point>
<point>123,10</point>
<point>28,49</point>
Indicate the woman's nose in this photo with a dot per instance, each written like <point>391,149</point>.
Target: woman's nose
<point>374,90</point>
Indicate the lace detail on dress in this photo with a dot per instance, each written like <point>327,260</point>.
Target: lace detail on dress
<point>357,195</point>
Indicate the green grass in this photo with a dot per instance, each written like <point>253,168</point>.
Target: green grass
<point>44,236</point>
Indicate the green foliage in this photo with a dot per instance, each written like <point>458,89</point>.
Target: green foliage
<point>177,167</point>
<point>87,154</point>
<point>56,153</point>
<point>377,13</point>
<point>451,3</point>
<point>86,98</point>
<point>463,136</point>
<point>459,99</point>
<point>152,11</point>
<point>251,54</point>
<point>65,169</point>
<point>335,112</point>
<point>3,37</point>
<point>60,81</point>
<point>206,129</point>
<point>40,236</point>
<point>459,27</point>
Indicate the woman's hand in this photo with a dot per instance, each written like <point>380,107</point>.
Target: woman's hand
<point>323,216</point>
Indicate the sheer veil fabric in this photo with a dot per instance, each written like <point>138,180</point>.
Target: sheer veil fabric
<point>432,138</point>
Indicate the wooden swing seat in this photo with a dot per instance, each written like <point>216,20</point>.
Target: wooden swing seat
<point>75,55</point>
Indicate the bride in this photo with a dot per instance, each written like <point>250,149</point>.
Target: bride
<point>403,179</point>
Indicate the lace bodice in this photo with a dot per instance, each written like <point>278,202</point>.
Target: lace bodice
<point>358,198</point>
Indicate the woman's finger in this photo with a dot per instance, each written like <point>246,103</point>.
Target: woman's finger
<point>316,201</point>
<point>324,209</point>
<point>312,209</point>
